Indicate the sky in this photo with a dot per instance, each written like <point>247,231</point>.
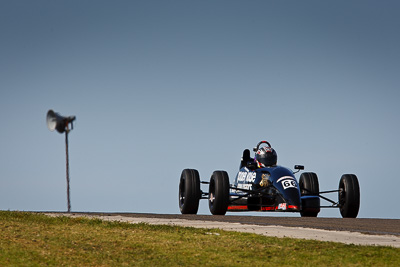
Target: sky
<point>160,86</point>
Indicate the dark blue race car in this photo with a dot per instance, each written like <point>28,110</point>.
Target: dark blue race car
<point>261,185</point>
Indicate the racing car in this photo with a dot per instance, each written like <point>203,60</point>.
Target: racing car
<point>262,185</point>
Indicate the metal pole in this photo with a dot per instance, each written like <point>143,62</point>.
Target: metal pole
<point>67,166</point>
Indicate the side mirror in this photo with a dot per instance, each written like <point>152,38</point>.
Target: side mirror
<point>299,167</point>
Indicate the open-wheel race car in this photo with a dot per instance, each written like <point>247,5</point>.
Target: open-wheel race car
<point>262,185</point>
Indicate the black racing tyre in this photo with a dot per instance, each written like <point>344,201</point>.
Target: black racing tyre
<point>349,196</point>
<point>218,194</point>
<point>189,191</point>
<point>309,186</point>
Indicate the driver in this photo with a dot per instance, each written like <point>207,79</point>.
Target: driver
<point>266,157</point>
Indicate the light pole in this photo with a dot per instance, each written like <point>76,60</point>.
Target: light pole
<point>57,122</point>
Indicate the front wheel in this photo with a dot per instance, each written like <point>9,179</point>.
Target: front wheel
<point>189,191</point>
<point>349,196</point>
<point>309,186</point>
<point>218,194</point>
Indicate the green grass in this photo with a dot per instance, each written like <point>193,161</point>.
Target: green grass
<point>29,239</point>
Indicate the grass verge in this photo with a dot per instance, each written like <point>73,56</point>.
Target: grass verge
<point>28,239</point>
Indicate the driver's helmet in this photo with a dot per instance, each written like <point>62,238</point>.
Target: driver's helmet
<point>266,157</point>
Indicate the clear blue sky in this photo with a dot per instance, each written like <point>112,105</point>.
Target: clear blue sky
<point>159,86</point>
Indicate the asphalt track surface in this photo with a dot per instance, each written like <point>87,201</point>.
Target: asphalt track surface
<point>360,225</point>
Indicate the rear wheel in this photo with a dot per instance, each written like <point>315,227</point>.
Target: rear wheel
<point>309,186</point>
<point>218,194</point>
<point>349,196</point>
<point>189,191</point>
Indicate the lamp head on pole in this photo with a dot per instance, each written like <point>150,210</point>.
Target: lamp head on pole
<point>57,122</point>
